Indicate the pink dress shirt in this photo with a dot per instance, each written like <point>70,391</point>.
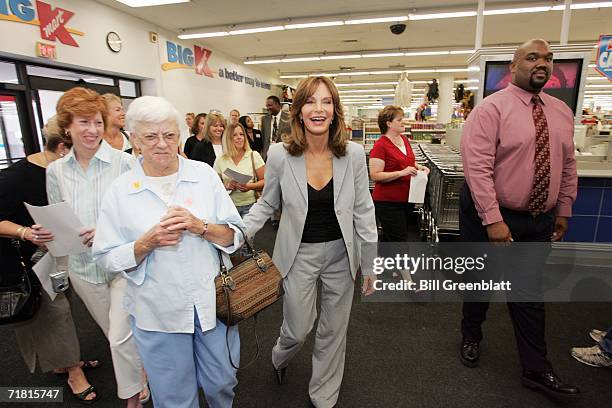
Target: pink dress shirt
<point>498,150</point>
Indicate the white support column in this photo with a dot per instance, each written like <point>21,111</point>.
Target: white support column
<point>567,16</point>
<point>479,25</point>
<point>565,25</point>
<point>445,100</point>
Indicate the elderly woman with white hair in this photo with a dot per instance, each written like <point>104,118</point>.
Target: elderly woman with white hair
<point>161,225</point>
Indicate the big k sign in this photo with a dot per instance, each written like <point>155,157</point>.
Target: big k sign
<point>604,56</point>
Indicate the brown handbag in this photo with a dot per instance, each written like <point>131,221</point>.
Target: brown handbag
<point>246,289</point>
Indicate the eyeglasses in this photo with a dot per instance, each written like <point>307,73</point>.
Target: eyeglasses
<point>153,139</point>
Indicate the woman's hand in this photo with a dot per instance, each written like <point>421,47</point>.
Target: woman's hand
<point>180,219</point>
<point>88,236</point>
<point>159,236</point>
<point>244,187</point>
<point>409,171</point>
<point>425,169</point>
<point>156,237</point>
<point>231,185</point>
<point>367,288</point>
<point>37,235</point>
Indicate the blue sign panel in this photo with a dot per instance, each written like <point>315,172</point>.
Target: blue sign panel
<point>604,56</point>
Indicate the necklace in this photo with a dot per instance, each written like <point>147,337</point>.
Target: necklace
<point>399,144</point>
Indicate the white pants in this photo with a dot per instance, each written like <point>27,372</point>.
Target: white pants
<point>104,301</point>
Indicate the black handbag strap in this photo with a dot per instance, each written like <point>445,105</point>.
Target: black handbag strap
<point>227,327</point>
<point>226,290</point>
<point>25,278</point>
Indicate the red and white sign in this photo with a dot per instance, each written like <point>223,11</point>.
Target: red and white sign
<point>53,23</point>
<point>46,50</point>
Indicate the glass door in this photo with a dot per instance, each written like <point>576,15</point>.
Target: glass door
<point>11,129</point>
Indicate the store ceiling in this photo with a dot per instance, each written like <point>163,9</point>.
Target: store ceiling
<point>586,26</point>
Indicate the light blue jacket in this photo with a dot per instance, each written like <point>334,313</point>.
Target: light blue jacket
<point>165,287</point>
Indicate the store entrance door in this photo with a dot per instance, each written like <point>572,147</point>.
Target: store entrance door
<point>12,127</point>
<point>47,91</point>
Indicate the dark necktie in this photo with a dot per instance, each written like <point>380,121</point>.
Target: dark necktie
<point>541,179</point>
<point>274,129</point>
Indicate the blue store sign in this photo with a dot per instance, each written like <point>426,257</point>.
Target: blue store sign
<point>604,56</point>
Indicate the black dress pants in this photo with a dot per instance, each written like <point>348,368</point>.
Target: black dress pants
<point>395,219</point>
<point>528,318</point>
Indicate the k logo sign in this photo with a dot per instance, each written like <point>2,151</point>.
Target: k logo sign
<point>52,21</point>
<point>52,24</point>
<point>186,58</point>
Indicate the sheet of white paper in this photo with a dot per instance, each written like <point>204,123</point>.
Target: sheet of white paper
<point>238,177</point>
<point>43,268</point>
<point>418,184</point>
<point>65,226</point>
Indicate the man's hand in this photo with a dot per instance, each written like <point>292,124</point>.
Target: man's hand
<point>499,232</point>
<point>367,288</point>
<point>560,228</point>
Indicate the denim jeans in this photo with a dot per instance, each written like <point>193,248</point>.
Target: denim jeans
<point>244,209</point>
<point>606,343</point>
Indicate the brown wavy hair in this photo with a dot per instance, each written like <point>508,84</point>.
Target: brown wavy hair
<point>338,135</point>
<point>79,102</point>
<point>195,128</point>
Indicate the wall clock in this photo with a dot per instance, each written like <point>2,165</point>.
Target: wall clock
<point>113,41</point>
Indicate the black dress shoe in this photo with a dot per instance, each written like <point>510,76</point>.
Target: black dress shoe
<point>279,373</point>
<point>470,353</point>
<point>549,383</point>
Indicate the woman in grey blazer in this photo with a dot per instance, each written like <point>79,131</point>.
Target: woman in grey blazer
<point>321,181</point>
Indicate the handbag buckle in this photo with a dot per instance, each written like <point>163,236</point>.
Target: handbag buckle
<point>228,282</point>
<point>261,264</point>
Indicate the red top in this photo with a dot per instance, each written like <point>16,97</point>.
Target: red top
<point>395,160</point>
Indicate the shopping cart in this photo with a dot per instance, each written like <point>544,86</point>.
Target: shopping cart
<point>440,215</point>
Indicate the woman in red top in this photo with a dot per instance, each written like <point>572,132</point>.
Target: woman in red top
<point>391,166</point>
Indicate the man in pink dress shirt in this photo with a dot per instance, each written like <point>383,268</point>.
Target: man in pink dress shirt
<point>521,182</point>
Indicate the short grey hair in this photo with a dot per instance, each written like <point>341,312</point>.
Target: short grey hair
<point>150,109</point>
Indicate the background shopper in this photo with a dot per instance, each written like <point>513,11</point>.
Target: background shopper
<point>211,146</point>
<point>114,134</point>
<point>253,135</point>
<point>392,165</point>
<point>239,157</point>
<point>197,131</point>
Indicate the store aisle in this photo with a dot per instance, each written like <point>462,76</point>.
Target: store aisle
<point>398,355</point>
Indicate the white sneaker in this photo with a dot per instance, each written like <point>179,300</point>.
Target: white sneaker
<point>592,356</point>
<point>597,335</point>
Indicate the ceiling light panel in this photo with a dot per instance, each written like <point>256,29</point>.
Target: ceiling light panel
<point>257,30</point>
<point>314,25</point>
<point>203,35</point>
<point>377,20</point>
<point>148,3</point>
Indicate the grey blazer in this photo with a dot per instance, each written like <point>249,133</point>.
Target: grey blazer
<point>284,127</point>
<point>286,184</point>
